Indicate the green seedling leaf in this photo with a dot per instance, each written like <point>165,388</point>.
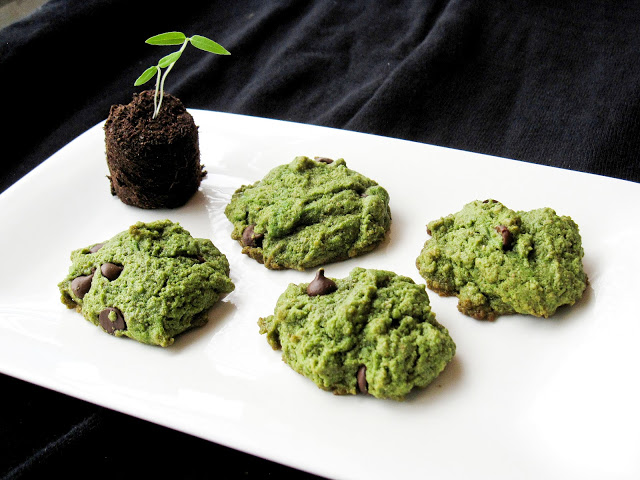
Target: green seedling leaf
<point>168,38</point>
<point>167,62</point>
<point>146,76</point>
<point>208,45</point>
<point>169,59</point>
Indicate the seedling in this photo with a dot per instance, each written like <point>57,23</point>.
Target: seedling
<point>167,62</point>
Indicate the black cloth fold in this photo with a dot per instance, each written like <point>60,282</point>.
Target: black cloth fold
<point>548,82</point>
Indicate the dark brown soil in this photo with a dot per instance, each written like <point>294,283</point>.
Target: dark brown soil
<point>154,163</point>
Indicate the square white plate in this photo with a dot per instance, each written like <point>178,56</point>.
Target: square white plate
<point>523,398</point>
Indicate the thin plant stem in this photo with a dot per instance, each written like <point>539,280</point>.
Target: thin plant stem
<point>155,96</point>
<point>166,72</point>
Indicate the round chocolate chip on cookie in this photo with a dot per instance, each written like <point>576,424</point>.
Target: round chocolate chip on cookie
<point>321,285</point>
<point>111,319</point>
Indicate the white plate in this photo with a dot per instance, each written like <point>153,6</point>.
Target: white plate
<point>523,398</point>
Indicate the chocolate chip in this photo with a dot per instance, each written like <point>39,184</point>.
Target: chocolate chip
<point>321,285</point>
<point>323,160</point>
<point>428,231</point>
<point>361,376</point>
<point>96,247</point>
<point>200,259</point>
<point>81,285</point>
<point>250,238</point>
<point>111,271</point>
<point>507,237</point>
<point>111,319</point>
<point>490,200</point>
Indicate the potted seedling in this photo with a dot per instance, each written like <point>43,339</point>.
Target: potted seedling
<point>152,145</point>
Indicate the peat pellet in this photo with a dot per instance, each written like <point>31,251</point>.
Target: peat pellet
<point>154,161</point>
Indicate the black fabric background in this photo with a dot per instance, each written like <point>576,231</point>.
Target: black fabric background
<point>549,82</point>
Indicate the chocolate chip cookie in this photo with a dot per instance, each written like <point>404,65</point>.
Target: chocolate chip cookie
<point>150,282</point>
<point>309,213</point>
<point>371,332</point>
<point>498,261</point>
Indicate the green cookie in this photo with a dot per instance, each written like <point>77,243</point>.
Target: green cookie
<point>148,283</point>
<point>309,213</point>
<point>498,261</point>
<point>372,331</point>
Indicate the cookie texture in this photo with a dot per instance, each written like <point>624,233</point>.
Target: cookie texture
<point>309,213</point>
<point>150,282</point>
<point>374,332</point>
<point>498,261</point>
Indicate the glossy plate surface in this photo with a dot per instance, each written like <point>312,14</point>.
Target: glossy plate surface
<point>523,398</point>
